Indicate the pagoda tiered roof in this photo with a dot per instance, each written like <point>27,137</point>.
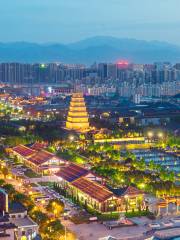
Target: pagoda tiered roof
<point>77,118</point>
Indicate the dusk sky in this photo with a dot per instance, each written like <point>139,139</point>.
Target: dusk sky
<point>66,21</point>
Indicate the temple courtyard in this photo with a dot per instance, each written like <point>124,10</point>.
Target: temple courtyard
<point>96,231</point>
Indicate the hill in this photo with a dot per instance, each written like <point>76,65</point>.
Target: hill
<point>99,49</point>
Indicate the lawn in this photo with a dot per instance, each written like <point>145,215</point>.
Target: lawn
<point>147,214</point>
<point>72,156</point>
<point>29,173</point>
<point>44,184</point>
<point>108,216</point>
<point>116,215</point>
<point>79,219</point>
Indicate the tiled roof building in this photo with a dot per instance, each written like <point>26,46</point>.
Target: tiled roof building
<point>23,151</point>
<point>41,157</point>
<point>37,146</point>
<point>35,157</point>
<point>72,172</point>
<point>92,189</point>
<point>126,191</point>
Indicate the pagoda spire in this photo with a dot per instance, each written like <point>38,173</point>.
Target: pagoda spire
<point>77,118</point>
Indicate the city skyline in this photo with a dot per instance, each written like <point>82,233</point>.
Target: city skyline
<point>89,119</point>
<point>69,21</point>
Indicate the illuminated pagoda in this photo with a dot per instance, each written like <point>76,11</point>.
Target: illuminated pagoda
<point>77,118</point>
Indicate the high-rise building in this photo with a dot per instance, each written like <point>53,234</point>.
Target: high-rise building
<point>112,71</point>
<point>77,118</point>
<point>3,201</point>
<point>103,70</point>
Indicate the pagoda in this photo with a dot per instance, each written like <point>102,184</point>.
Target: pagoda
<point>77,118</point>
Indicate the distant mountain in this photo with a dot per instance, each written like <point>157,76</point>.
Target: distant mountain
<point>99,49</point>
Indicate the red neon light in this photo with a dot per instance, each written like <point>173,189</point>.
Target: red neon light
<point>122,62</point>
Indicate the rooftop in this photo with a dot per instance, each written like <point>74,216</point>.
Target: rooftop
<point>15,207</point>
<point>72,172</point>
<point>4,218</point>
<point>6,226</point>
<point>23,150</point>
<point>41,157</point>
<point>38,146</point>
<point>92,189</point>
<point>126,191</point>
<point>24,222</point>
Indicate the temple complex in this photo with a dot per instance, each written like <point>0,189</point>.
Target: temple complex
<point>77,118</point>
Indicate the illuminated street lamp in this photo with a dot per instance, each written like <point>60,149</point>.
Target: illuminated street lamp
<point>71,138</point>
<point>142,185</point>
<point>160,135</point>
<point>19,185</point>
<point>150,134</point>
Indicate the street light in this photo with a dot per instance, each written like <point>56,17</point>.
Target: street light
<point>160,135</point>
<point>150,134</point>
<point>20,185</point>
<point>71,138</point>
<point>142,185</point>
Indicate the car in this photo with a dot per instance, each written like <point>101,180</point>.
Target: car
<point>67,210</point>
<point>167,224</point>
<point>78,208</point>
<point>154,225</point>
<point>176,220</point>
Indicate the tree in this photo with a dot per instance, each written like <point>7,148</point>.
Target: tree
<point>139,203</point>
<point>126,204</point>
<point>118,178</point>
<point>130,155</point>
<point>4,171</point>
<point>39,217</point>
<point>9,189</point>
<point>2,182</point>
<point>152,165</point>
<point>55,206</point>
<point>19,197</point>
<point>53,230</point>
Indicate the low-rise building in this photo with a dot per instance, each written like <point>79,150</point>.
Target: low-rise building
<point>25,226</point>
<point>72,172</point>
<point>21,152</point>
<point>90,189</point>
<point>44,162</point>
<point>37,158</point>
<point>15,224</point>
<point>93,194</point>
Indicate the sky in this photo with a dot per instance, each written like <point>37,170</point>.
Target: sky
<point>66,21</point>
